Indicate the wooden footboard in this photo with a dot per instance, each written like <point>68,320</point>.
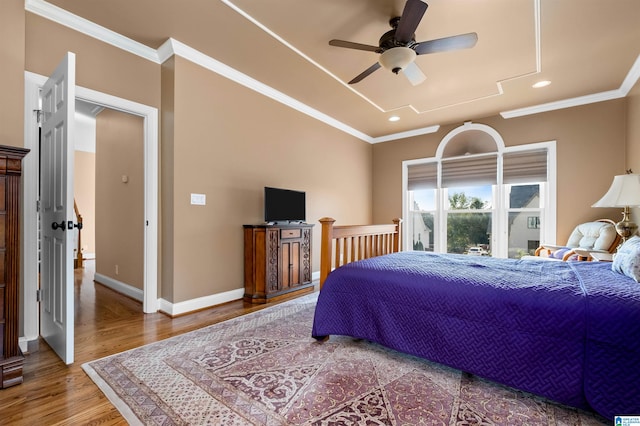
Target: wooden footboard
<point>344,244</point>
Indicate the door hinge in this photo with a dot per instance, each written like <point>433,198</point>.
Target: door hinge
<point>38,295</point>
<point>37,205</point>
<point>38,115</point>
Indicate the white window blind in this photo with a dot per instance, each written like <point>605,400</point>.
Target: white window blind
<point>470,171</point>
<point>518,167</point>
<point>525,166</point>
<point>422,176</point>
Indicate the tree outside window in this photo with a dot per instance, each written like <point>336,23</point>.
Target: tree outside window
<point>466,226</point>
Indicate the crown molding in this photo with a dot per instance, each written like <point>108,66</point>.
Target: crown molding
<point>407,134</point>
<point>630,80</point>
<point>632,77</point>
<point>174,47</point>
<point>565,103</point>
<point>91,29</point>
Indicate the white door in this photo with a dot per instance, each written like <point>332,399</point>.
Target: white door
<point>56,187</point>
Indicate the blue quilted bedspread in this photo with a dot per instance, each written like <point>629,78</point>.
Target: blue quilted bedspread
<point>568,331</point>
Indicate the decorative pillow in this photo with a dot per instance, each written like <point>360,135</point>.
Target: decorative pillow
<point>559,254</point>
<point>627,260</point>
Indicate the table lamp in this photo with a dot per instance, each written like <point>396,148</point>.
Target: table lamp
<point>624,192</point>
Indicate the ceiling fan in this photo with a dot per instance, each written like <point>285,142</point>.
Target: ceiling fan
<point>398,48</point>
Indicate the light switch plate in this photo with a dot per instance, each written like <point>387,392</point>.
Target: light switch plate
<point>199,199</point>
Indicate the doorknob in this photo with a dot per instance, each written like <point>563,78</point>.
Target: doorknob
<point>71,225</point>
<point>60,225</point>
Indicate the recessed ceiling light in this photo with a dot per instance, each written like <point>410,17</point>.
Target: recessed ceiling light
<point>542,83</point>
<point>394,118</point>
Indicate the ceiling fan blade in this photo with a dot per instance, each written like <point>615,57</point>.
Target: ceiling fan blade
<point>414,74</point>
<point>365,73</point>
<point>351,45</point>
<point>462,41</point>
<point>411,16</point>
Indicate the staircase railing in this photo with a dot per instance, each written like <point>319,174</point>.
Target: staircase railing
<point>78,262</point>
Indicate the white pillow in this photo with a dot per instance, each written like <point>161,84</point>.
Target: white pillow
<point>627,260</point>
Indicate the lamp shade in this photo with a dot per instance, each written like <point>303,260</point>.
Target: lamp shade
<point>397,58</point>
<point>624,191</point>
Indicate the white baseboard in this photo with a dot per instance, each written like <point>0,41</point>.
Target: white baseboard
<point>187,306</point>
<point>126,289</point>
<point>204,302</point>
<point>179,308</point>
<point>22,342</point>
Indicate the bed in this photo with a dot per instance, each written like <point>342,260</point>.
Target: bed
<point>567,331</point>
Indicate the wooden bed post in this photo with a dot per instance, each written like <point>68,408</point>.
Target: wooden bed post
<point>325,249</point>
<point>396,238</point>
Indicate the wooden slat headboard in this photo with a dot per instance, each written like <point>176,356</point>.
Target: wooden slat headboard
<point>344,244</point>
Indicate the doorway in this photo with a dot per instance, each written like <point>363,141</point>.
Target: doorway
<point>108,195</point>
<point>33,84</point>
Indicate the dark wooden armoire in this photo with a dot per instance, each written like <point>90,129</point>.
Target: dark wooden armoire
<point>11,358</point>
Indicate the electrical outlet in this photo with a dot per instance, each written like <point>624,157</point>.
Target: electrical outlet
<point>117,269</point>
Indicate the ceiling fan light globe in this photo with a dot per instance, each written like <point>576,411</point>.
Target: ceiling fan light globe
<point>397,58</point>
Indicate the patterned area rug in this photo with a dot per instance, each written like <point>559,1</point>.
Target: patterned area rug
<point>265,369</point>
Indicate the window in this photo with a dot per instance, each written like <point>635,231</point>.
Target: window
<point>419,223</point>
<point>524,218</point>
<point>476,195</point>
<point>469,214</point>
<point>421,214</point>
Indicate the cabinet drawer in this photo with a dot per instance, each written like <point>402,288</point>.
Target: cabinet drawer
<point>290,233</point>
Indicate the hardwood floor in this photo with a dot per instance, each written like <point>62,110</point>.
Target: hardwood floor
<point>105,323</point>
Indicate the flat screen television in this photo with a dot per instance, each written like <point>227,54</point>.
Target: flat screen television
<point>284,205</point>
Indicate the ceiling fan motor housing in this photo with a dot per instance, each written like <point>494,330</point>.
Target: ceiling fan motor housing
<point>388,39</point>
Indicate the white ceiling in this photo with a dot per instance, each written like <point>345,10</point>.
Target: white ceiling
<point>588,49</point>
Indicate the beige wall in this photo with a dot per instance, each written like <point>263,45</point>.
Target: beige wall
<point>99,66</point>
<point>120,204</point>
<point>633,137</point>
<point>228,142</point>
<point>12,52</point>
<point>84,194</point>
<point>633,129</point>
<point>590,151</point>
